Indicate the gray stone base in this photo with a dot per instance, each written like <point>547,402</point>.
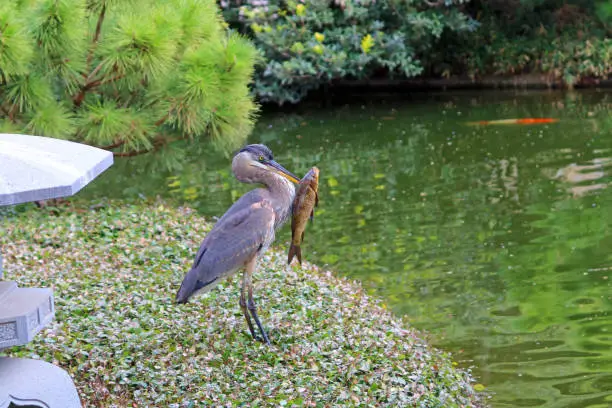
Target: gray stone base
<point>23,313</point>
<point>25,382</point>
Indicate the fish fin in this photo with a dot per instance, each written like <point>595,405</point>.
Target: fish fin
<point>316,198</point>
<point>312,216</point>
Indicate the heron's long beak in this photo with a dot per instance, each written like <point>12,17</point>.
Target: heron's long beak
<point>283,171</point>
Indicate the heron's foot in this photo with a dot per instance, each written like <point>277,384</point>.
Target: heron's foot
<point>253,309</point>
<point>243,306</point>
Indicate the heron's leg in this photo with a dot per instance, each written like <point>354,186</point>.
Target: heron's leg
<point>250,268</point>
<point>243,303</point>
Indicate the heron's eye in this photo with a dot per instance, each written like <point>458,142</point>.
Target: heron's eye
<point>261,159</point>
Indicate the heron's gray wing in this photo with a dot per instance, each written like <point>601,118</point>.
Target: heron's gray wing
<point>245,201</point>
<point>235,212</point>
<point>233,241</point>
<point>236,239</point>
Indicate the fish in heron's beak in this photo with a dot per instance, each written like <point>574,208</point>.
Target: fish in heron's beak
<point>306,199</point>
<point>282,171</point>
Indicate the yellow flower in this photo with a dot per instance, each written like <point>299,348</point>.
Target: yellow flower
<point>479,387</point>
<point>256,28</point>
<point>318,49</point>
<point>300,9</point>
<point>319,37</point>
<point>297,47</point>
<point>367,43</point>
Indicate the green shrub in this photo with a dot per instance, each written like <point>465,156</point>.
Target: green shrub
<point>131,76</point>
<point>568,58</point>
<point>308,44</point>
<point>564,39</point>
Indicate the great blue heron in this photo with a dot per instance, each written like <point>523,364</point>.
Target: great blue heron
<point>245,231</point>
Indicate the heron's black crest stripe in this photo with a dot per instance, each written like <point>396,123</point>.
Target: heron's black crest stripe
<point>258,150</point>
<point>199,284</point>
<point>199,258</point>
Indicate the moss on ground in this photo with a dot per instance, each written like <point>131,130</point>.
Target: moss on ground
<point>115,271</point>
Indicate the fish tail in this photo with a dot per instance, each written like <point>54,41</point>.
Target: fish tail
<point>293,251</point>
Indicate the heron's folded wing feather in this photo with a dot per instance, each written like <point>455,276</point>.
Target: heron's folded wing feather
<point>234,240</point>
<point>235,212</point>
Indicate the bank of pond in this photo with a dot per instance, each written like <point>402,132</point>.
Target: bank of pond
<point>115,269</point>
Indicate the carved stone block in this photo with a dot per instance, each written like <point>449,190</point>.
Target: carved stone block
<point>23,313</point>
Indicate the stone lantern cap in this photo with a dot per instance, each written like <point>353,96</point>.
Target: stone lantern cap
<point>36,168</point>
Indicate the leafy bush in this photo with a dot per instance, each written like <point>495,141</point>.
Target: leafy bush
<point>563,39</point>
<point>308,44</point>
<point>567,58</point>
<point>572,61</point>
<point>130,76</point>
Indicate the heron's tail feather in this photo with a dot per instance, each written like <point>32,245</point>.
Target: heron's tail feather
<point>293,251</point>
<point>191,284</point>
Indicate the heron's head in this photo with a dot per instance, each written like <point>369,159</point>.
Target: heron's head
<point>254,162</point>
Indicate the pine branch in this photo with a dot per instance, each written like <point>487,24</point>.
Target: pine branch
<point>78,99</point>
<point>89,84</point>
<point>96,37</point>
<point>113,146</point>
<point>106,81</point>
<point>94,72</point>
<point>11,112</point>
<point>135,152</point>
<point>163,119</point>
<point>158,143</point>
<point>7,113</point>
<point>129,99</point>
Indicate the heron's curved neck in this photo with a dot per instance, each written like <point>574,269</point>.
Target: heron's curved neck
<point>281,194</point>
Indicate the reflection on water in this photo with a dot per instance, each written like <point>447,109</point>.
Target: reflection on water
<point>504,175</point>
<point>496,240</point>
<point>581,176</point>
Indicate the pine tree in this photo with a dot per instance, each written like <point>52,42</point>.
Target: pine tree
<point>126,75</point>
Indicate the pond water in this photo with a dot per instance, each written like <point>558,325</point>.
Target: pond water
<point>496,240</point>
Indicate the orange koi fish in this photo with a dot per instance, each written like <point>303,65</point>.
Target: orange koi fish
<point>525,121</point>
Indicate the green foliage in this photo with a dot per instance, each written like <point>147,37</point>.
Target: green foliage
<point>572,61</point>
<point>131,76</point>
<point>565,40</point>
<point>308,44</point>
<point>561,58</point>
<point>603,10</point>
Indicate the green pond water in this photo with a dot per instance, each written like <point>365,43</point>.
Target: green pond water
<point>495,240</point>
